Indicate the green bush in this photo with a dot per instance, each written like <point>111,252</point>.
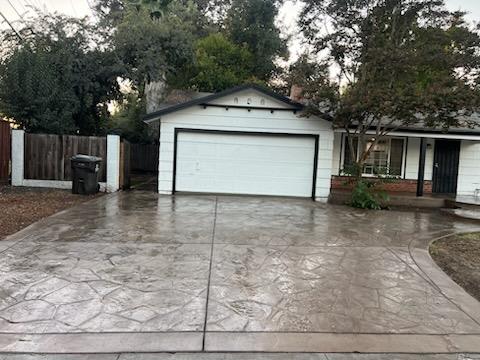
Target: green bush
<point>365,195</point>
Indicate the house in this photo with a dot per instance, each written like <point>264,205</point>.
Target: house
<point>250,140</point>
<point>245,140</point>
<point>423,160</point>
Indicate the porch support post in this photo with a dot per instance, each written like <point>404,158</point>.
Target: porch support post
<point>421,166</point>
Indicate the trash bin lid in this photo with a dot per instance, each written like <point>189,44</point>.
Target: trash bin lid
<point>85,158</point>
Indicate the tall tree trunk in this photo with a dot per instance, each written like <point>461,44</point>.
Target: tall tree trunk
<point>155,94</point>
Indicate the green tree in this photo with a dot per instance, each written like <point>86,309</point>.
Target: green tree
<point>111,12</point>
<point>220,64</point>
<point>252,22</point>
<point>400,63</point>
<point>151,47</point>
<point>312,78</point>
<point>154,40</point>
<point>128,122</point>
<point>52,80</point>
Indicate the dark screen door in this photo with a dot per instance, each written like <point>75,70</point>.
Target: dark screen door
<point>445,166</point>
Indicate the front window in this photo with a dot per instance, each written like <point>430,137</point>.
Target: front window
<point>386,157</point>
<point>377,162</point>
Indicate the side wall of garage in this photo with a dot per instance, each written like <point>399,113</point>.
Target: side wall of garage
<point>244,120</point>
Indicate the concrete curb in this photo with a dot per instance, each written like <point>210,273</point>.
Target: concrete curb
<point>107,343</point>
<point>449,288</point>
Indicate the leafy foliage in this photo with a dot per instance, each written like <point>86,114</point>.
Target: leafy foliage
<point>312,77</point>
<point>220,64</point>
<point>400,63</point>
<point>152,47</point>
<point>111,12</point>
<point>128,120</point>
<point>201,44</point>
<point>62,73</point>
<point>366,195</point>
<point>53,81</point>
<point>252,22</point>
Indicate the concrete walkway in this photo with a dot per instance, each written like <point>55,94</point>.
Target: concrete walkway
<point>137,272</point>
<point>241,356</point>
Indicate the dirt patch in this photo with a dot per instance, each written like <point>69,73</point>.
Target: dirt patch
<point>459,257</point>
<point>22,206</point>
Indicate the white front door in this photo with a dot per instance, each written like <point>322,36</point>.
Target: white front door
<point>233,163</point>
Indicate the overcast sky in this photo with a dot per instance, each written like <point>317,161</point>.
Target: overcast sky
<point>287,18</point>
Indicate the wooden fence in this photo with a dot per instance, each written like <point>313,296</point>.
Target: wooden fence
<point>47,157</point>
<point>144,157</point>
<point>125,164</point>
<point>5,146</point>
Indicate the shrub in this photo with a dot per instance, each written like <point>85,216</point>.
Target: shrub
<point>366,195</point>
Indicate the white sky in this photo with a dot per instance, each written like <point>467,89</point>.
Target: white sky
<point>287,16</point>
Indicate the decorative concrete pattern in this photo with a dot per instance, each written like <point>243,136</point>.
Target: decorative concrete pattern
<point>78,286</point>
<point>325,289</point>
<point>138,263</point>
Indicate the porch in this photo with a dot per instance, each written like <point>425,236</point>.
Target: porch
<point>424,164</point>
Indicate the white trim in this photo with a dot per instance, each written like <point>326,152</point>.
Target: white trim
<point>422,135</point>
<point>389,138</point>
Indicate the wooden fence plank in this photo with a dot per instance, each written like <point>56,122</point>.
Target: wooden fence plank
<point>47,157</point>
<point>125,163</point>
<point>144,157</point>
<point>5,149</point>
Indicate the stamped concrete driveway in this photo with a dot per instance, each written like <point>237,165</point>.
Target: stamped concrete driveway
<point>141,272</point>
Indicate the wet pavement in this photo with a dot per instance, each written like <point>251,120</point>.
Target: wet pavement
<point>216,273</point>
<point>244,356</point>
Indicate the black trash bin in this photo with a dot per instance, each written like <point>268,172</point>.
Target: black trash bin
<point>85,174</point>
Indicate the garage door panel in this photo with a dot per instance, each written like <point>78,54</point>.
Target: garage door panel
<point>245,164</point>
<point>243,185</point>
<point>242,139</point>
<point>215,165</point>
<point>244,152</point>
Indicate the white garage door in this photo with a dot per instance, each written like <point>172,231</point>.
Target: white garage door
<point>244,164</point>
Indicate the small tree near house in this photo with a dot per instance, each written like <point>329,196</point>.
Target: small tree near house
<point>399,63</point>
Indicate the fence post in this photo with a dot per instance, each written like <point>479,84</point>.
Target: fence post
<point>18,157</point>
<point>113,163</point>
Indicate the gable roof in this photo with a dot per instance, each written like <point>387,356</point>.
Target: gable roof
<point>205,99</point>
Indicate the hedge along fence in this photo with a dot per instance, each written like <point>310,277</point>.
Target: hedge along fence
<point>47,157</point>
<point>43,160</point>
